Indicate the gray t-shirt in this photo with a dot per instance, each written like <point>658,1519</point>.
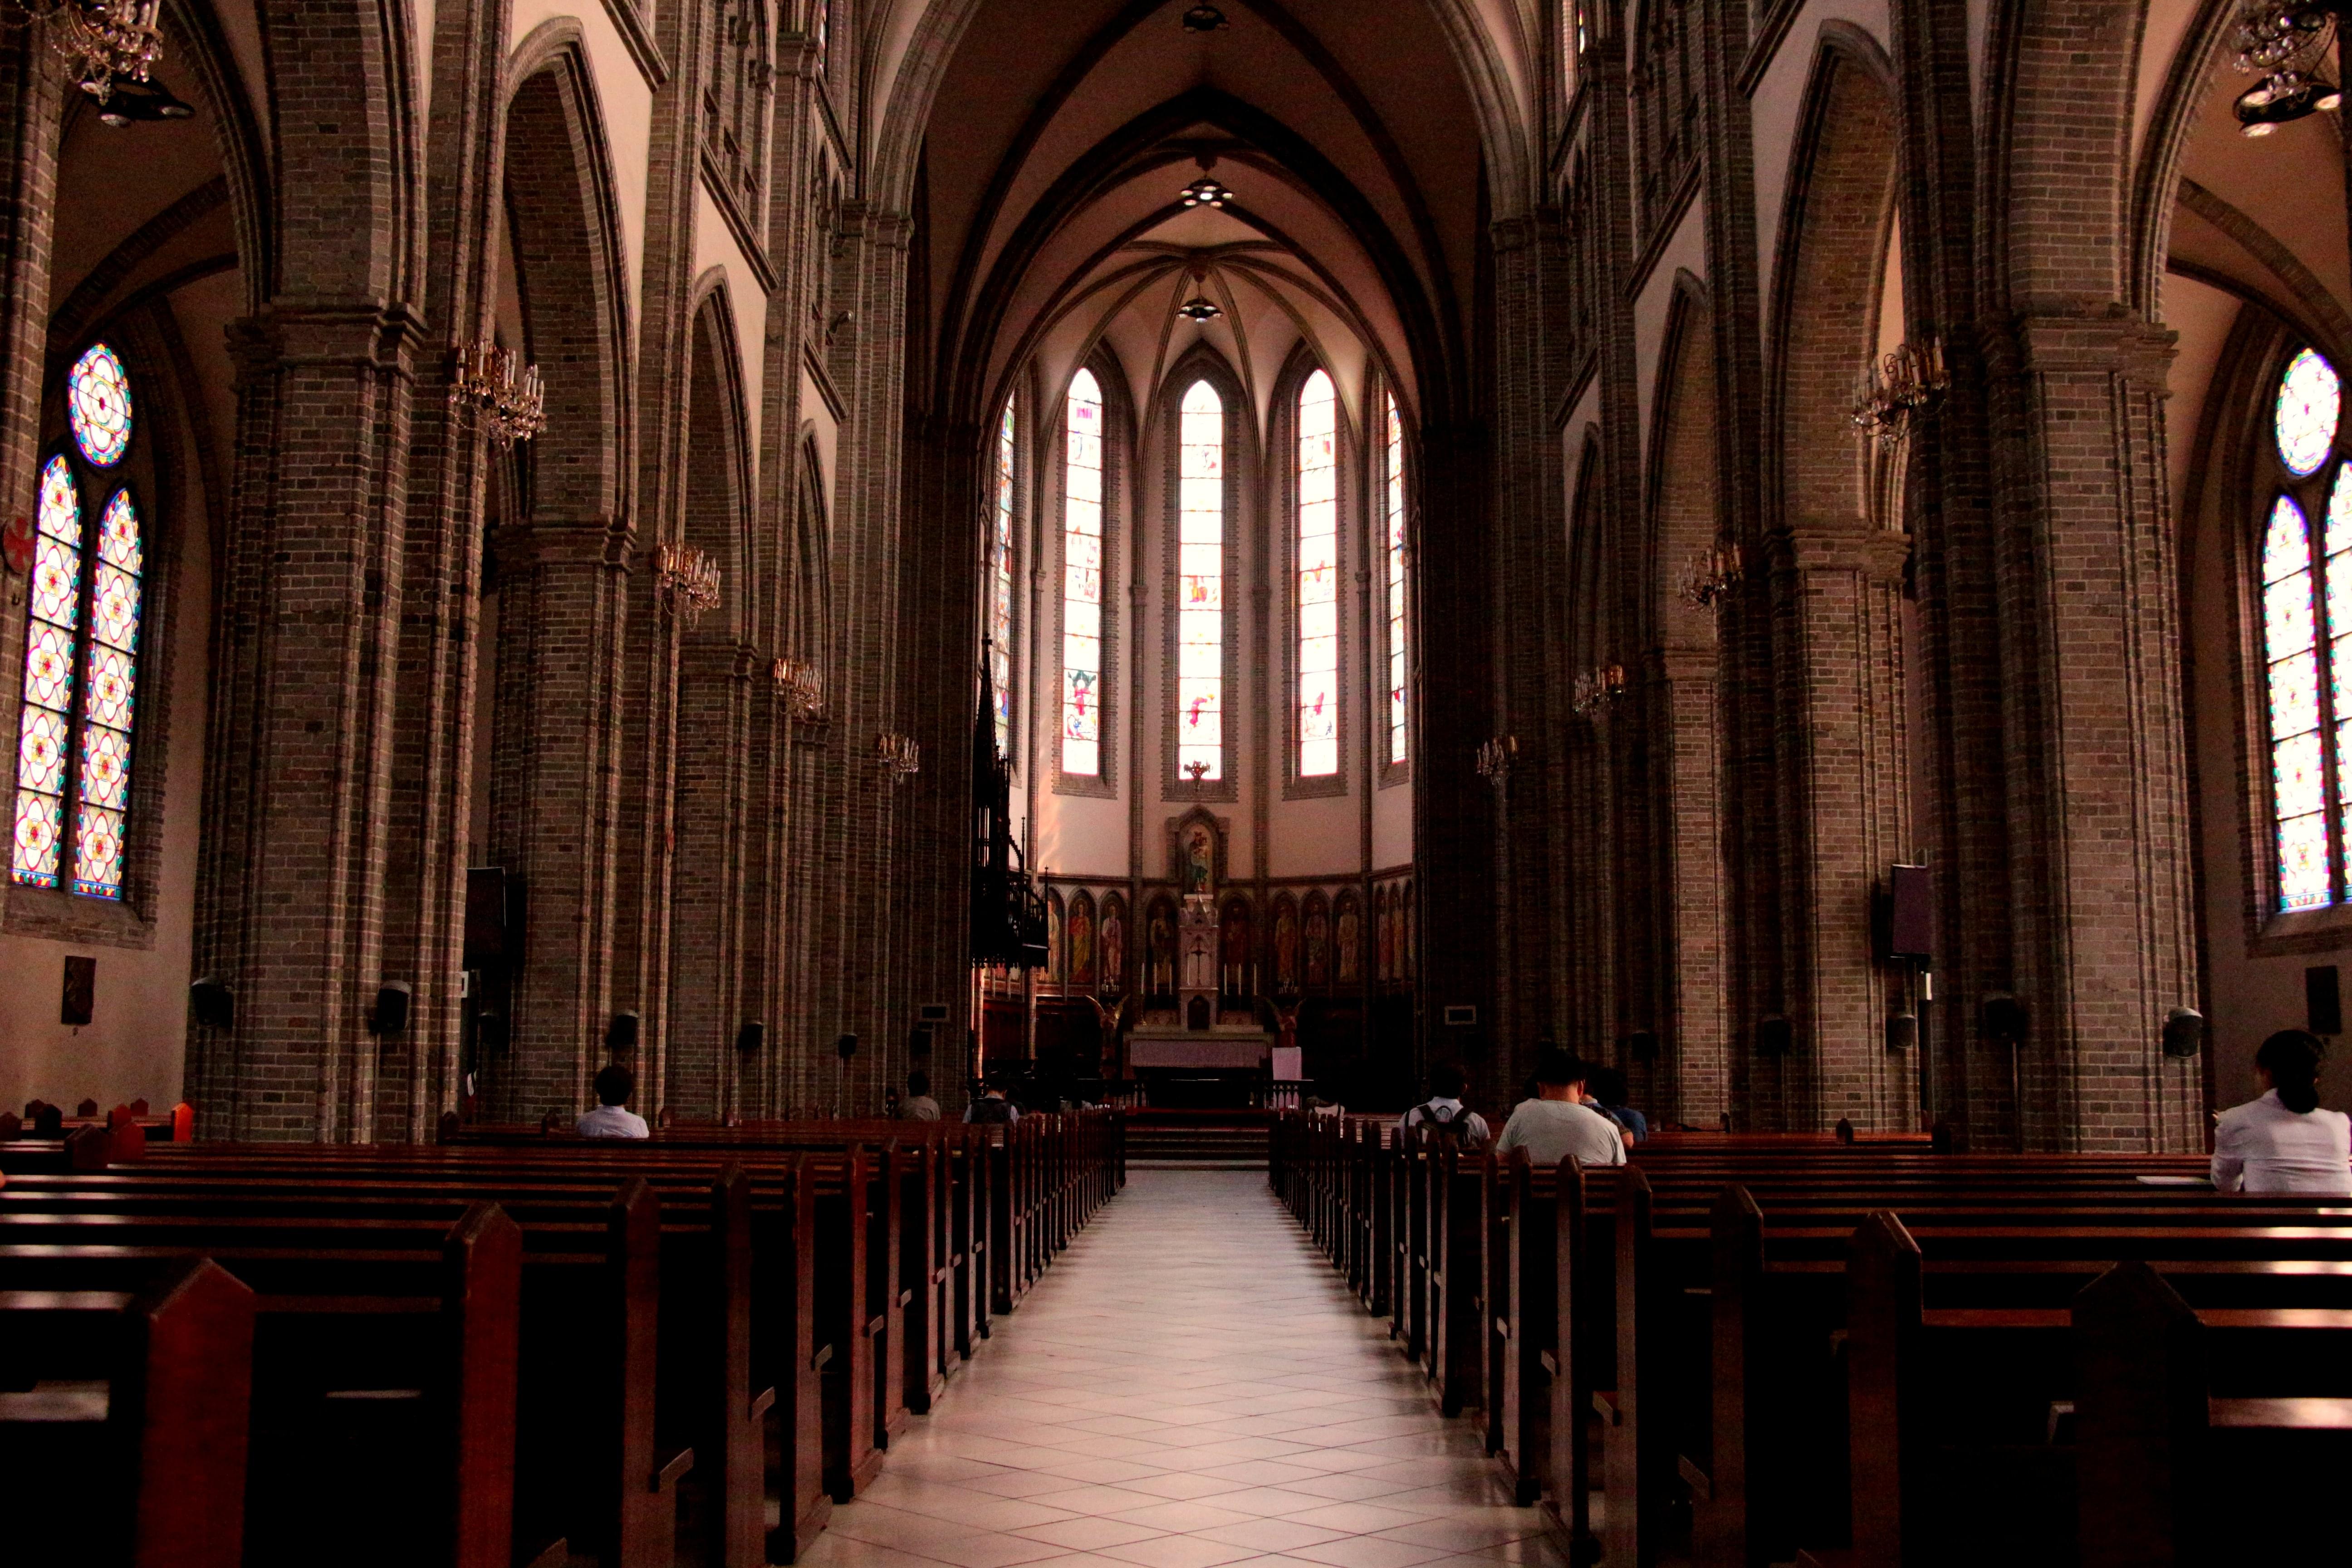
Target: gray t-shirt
<point>1551,1129</point>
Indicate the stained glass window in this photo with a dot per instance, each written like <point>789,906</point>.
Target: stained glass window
<point>1318,578</point>
<point>1082,579</point>
<point>74,732</point>
<point>2304,659</point>
<point>97,405</point>
<point>1000,587</point>
<point>2309,399</point>
<point>1201,587</point>
<point>1396,583</point>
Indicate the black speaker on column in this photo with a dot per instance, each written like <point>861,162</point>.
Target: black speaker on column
<point>1911,913</point>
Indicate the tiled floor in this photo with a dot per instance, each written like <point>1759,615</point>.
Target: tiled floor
<point>1189,1386</point>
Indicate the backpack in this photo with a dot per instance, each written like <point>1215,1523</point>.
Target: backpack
<point>1451,1133</point>
<point>988,1112</point>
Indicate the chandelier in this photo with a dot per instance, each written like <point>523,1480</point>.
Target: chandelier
<point>100,40</point>
<point>1711,576</point>
<point>1205,192</point>
<point>800,685</point>
<point>901,755</point>
<point>1597,689</point>
<point>686,581</point>
<point>1199,308</point>
<point>508,391</point>
<point>1897,391</point>
<point>1495,757</point>
<point>2284,45</point>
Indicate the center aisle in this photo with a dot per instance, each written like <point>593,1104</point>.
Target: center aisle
<point>1190,1385</point>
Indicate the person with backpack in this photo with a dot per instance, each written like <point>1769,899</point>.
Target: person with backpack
<point>1443,1110</point>
<point>992,1108</point>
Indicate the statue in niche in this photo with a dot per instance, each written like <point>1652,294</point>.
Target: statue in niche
<point>1319,946</point>
<point>1196,867</point>
<point>1054,939</point>
<point>1082,944</point>
<point>1286,948</point>
<point>1350,938</point>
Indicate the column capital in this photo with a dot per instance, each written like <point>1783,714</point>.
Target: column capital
<point>1859,547</point>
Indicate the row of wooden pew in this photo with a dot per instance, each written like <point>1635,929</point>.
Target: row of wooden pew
<point>510,1349</point>
<point>1755,1350</point>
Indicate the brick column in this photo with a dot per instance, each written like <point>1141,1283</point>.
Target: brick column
<point>1837,594</point>
<point>290,899</point>
<point>1690,912</point>
<point>562,616</point>
<point>2105,918</point>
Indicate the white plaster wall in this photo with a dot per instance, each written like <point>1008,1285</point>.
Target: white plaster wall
<point>625,101</point>
<point>1776,107</point>
<point>1686,251</point>
<point>715,246</point>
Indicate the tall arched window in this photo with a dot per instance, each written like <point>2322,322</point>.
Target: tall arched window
<point>2310,766</point>
<point>1318,578</point>
<point>1082,579</point>
<point>73,752</point>
<point>1201,587</point>
<point>1000,586</point>
<point>1396,564</point>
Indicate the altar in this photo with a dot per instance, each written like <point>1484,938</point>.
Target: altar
<point>1218,1049</point>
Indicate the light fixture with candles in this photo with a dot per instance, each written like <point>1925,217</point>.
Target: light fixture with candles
<point>1205,192</point>
<point>1598,689</point>
<point>901,755</point>
<point>1199,308</point>
<point>1899,390</point>
<point>1711,574</point>
<point>801,686</point>
<point>1495,757</point>
<point>686,581</point>
<point>102,42</point>
<point>496,381</point>
<point>2286,46</point>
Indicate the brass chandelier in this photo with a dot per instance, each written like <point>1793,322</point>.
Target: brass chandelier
<point>100,40</point>
<point>496,381</point>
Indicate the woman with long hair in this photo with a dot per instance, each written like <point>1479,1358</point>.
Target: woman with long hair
<point>2283,1142</point>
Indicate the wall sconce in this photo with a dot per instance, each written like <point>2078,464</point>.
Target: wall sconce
<point>508,391</point>
<point>801,687</point>
<point>686,581</point>
<point>1899,391</point>
<point>1495,757</point>
<point>1711,576</point>
<point>900,755</point>
<point>1597,689</point>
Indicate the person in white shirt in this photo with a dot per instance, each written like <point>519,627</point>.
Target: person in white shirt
<point>918,1105</point>
<point>1443,1108</point>
<point>612,1117</point>
<point>1556,1124</point>
<point>2284,1143</point>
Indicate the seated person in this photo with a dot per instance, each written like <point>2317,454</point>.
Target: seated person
<point>992,1108</point>
<point>1557,1123</point>
<point>1443,1108</point>
<point>1607,1094</point>
<point>612,1117</point>
<point>2283,1142</point>
<point>918,1105</point>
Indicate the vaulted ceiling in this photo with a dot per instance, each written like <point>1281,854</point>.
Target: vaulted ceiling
<point>1059,142</point>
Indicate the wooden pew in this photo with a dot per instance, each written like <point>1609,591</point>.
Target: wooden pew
<point>145,1443</point>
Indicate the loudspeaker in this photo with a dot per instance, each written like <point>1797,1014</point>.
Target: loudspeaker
<point>1642,1046</point>
<point>1775,1036</point>
<point>752,1035</point>
<point>211,1005</point>
<point>1911,913</point>
<point>621,1033</point>
<point>2184,1028</point>
<point>2004,1019</point>
<point>391,1008</point>
<point>845,1047</point>
<point>1902,1032</point>
<point>79,996</point>
<point>919,1042</point>
<point>2323,1000</point>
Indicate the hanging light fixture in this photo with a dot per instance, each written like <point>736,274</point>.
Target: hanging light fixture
<point>508,391</point>
<point>101,41</point>
<point>1199,308</point>
<point>686,581</point>
<point>1205,192</point>
<point>901,756</point>
<point>1204,20</point>
<point>133,102</point>
<point>2284,45</point>
<point>802,686</point>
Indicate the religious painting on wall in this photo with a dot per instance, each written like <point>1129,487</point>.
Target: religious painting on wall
<point>1285,944</point>
<point>1405,932</point>
<point>1082,941</point>
<point>1111,943</point>
<point>1315,923</point>
<point>1388,934</point>
<point>1054,937</point>
<point>1159,946</point>
<point>1239,967</point>
<point>1348,936</point>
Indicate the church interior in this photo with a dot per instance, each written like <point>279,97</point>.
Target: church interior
<point>1064,655</point>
